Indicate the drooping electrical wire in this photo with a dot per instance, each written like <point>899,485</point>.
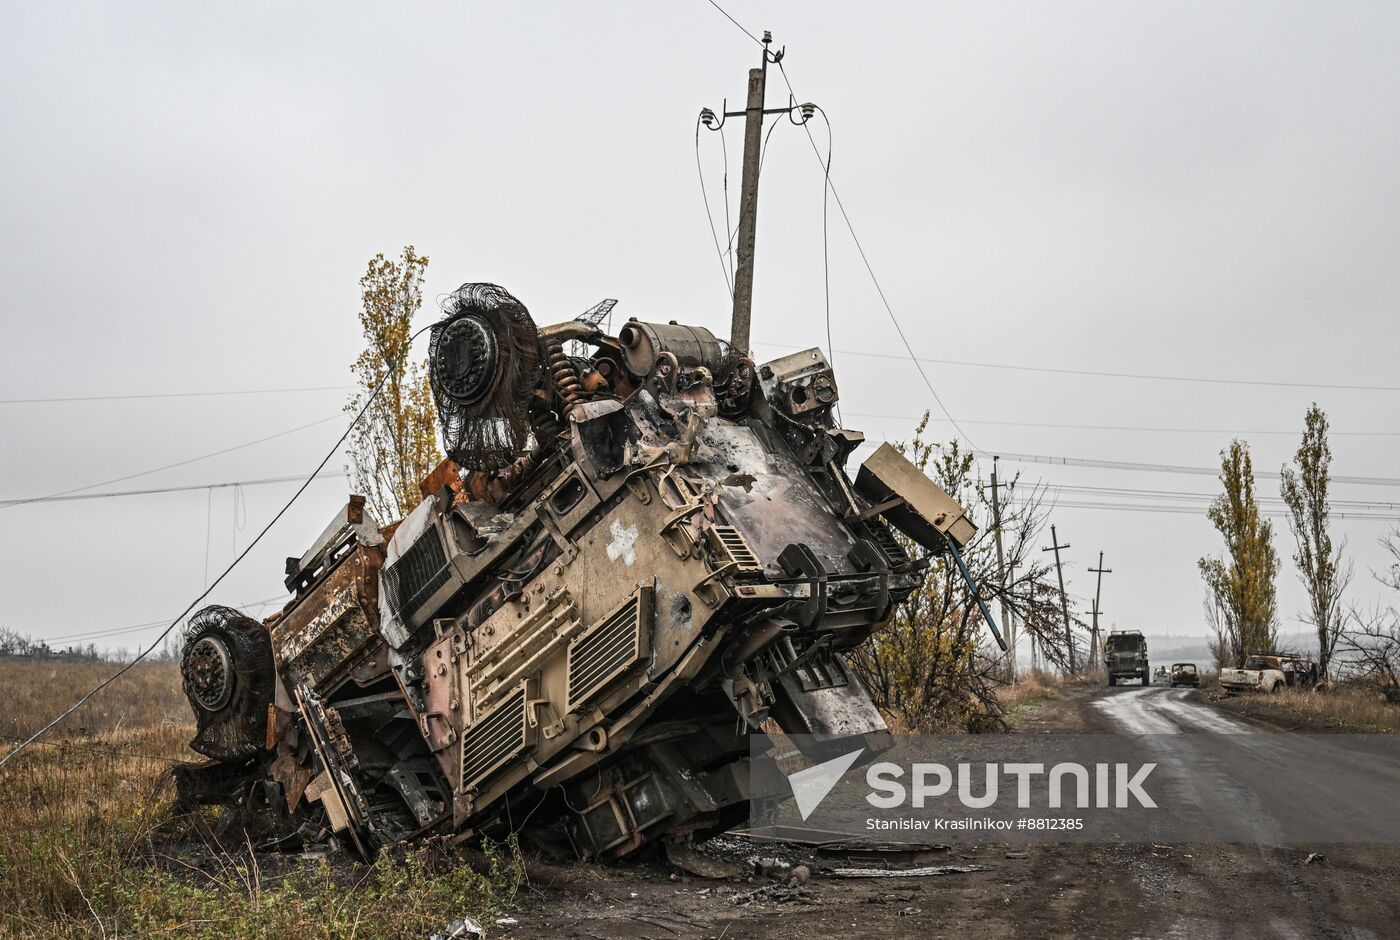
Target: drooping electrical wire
<point>700,169</point>
<point>369,399</point>
<point>879,290</point>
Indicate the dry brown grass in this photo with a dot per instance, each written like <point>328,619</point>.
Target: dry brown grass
<point>90,844</point>
<point>36,691</point>
<point>1345,709</point>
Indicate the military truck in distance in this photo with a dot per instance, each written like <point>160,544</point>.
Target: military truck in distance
<point>1125,656</point>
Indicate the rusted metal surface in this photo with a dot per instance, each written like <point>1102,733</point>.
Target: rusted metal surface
<point>585,637</point>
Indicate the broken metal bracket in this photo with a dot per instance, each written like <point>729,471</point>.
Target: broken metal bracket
<point>797,560</point>
<point>972,586</point>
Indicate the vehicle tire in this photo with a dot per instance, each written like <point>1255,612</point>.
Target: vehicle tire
<point>229,676</point>
<point>1112,680</point>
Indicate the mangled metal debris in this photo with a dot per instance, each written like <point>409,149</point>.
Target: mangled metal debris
<point>633,557</point>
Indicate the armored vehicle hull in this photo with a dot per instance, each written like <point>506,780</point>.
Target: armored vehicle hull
<point>632,559</point>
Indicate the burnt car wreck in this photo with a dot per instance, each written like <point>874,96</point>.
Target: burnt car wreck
<point>631,559</point>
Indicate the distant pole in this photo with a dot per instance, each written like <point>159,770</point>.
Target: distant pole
<point>1055,547</point>
<point>1001,575</point>
<point>748,204</point>
<point>1011,631</point>
<point>1098,592</point>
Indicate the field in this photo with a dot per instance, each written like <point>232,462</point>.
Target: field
<point>90,844</point>
<point>1345,709</point>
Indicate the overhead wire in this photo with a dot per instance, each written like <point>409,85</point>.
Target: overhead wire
<point>736,22</point>
<point>159,490</point>
<point>1052,370</point>
<point>138,627</point>
<point>50,497</point>
<point>704,195</point>
<point>157,395</point>
<point>1127,427</point>
<point>1089,462</point>
<point>879,289</point>
<point>369,399</point>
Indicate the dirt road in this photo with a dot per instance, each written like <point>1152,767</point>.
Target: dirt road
<point>1060,890</point>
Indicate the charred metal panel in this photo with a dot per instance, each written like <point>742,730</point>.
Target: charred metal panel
<point>916,505</point>
<point>322,634</point>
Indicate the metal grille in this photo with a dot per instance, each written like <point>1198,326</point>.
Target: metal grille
<point>417,574</point>
<point>605,652</point>
<point>732,542</point>
<point>494,739</point>
<point>884,538</point>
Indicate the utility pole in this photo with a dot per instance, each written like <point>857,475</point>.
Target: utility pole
<point>1098,591</point>
<point>753,116</point>
<point>748,203</point>
<point>1064,601</point>
<point>1001,574</point>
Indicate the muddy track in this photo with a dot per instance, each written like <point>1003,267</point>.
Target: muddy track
<point>1061,890</point>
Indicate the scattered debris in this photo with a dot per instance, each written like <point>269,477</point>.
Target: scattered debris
<point>771,868</point>
<point>800,875</point>
<point>460,929</point>
<point>1018,855</point>
<point>1314,857</point>
<point>781,894</point>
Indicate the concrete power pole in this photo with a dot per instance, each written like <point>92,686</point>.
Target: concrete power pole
<point>1006,626</point>
<point>748,204</point>
<point>1098,592</point>
<point>747,233</point>
<point>1064,601</point>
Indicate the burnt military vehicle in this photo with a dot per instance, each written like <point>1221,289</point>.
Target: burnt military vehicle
<point>641,548</point>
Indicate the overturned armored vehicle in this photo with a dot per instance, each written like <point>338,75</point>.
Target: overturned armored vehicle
<point>632,558</point>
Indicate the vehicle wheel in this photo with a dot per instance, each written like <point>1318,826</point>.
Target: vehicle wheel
<point>1112,681</point>
<point>228,676</point>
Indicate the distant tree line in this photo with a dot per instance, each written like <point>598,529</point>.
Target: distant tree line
<point>16,645</point>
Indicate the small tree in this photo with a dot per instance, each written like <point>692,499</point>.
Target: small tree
<point>1242,583</point>
<point>395,446</point>
<point>1321,567</point>
<point>930,668</point>
<point>1371,641</point>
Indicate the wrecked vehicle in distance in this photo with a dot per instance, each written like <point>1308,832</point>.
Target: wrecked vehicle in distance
<point>1184,674</point>
<point>636,553</point>
<point>1269,673</point>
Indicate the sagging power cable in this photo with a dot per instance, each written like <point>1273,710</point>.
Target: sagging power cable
<point>155,644</point>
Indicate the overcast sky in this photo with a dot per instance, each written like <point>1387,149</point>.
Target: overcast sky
<point>189,193</point>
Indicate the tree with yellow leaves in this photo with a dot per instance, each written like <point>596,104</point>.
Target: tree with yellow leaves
<point>395,445</point>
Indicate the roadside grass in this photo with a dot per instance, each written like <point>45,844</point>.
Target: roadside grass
<point>1031,690</point>
<point>37,690</point>
<point>90,844</point>
<point>1343,709</point>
